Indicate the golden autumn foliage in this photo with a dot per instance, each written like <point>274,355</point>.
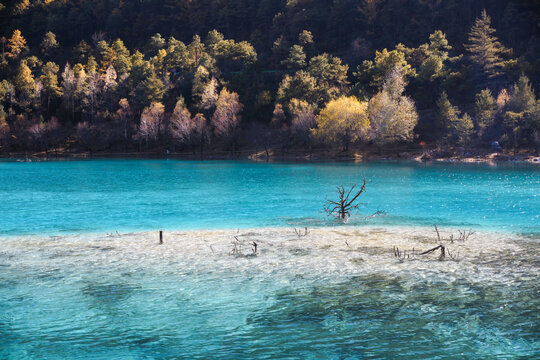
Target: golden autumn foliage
<point>342,121</point>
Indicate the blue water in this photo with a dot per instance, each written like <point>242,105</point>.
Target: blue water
<point>337,293</point>
<point>129,195</point>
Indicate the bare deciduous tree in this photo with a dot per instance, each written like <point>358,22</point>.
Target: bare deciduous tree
<point>181,126</point>
<point>151,121</point>
<point>346,203</point>
<point>226,117</point>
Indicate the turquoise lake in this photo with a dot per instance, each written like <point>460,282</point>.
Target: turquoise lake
<point>82,275</point>
<point>133,195</point>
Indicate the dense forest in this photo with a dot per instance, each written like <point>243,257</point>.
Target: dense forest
<point>197,75</point>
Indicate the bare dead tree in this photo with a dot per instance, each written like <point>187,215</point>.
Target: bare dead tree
<point>346,203</point>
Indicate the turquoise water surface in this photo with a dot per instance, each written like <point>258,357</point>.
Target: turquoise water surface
<point>128,195</point>
<point>71,287</point>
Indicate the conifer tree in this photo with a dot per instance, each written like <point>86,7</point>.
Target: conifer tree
<point>486,50</point>
<point>296,59</point>
<point>522,112</point>
<point>49,43</point>
<point>4,128</point>
<point>49,79</point>
<point>24,83</point>
<point>458,129</point>
<point>485,110</point>
<point>16,44</point>
<point>523,98</point>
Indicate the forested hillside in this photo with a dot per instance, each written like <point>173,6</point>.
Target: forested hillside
<point>116,75</point>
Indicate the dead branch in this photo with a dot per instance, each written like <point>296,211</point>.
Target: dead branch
<point>445,252</point>
<point>375,214</point>
<point>254,250</point>
<point>437,230</point>
<point>238,249</point>
<point>346,203</point>
<point>298,232</point>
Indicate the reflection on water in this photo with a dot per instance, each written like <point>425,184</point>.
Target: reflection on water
<point>337,293</point>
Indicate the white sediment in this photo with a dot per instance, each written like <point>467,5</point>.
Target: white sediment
<point>281,254</point>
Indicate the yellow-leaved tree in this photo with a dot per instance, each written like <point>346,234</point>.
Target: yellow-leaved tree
<point>343,121</point>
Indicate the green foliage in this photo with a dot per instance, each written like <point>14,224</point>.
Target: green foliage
<point>522,116</point>
<point>485,110</point>
<point>4,128</point>
<point>522,99</point>
<point>305,38</point>
<point>155,44</point>
<point>49,80</point>
<point>486,50</point>
<point>296,59</point>
<point>150,90</point>
<point>49,43</point>
<point>331,75</point>
<point>284,66</point>
<point>458,128</point>
<point>436,53</point>
<point>300,86</point>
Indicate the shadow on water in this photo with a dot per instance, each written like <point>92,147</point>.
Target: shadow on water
<point>391,317</point>
<point>108,294</point>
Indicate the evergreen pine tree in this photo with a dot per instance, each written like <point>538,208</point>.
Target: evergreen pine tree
<point>485,48</point>
<point>485,110</point>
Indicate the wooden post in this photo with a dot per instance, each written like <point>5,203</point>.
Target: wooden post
<point>160,237</point>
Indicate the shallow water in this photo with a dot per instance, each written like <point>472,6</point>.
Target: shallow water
<point>89,292</point>
<point>138,195</point>
<point>329,295</point>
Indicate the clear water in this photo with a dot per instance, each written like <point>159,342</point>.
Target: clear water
<point>337,293</point>
<point>134,195</point>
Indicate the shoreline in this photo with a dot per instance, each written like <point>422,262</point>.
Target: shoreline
<point>358,155</point>
<point>101,234</point>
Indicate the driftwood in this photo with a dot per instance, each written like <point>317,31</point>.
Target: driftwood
<point>346,202</point>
